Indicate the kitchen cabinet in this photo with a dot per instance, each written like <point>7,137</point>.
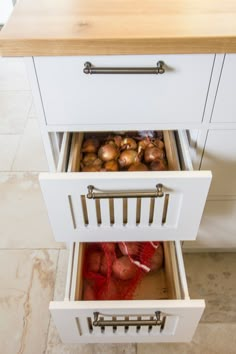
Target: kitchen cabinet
<point>218,230</point>
<point>186,101</point>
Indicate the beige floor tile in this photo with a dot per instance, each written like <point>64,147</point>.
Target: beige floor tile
<point>14,109</point>
<point>23,220</point>
<point>216,338</point>
<point>8,148</point>
<point>212,276</point>
<point>13,75</point>
<point>27,284</point>
<point>30,155</point>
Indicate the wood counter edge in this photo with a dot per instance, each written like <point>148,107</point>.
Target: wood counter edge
<point>71,47</point>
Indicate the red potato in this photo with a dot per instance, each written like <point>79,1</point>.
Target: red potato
<point>104,265</point>
<point>124,269</point>
<point>110,292</point>
<point>89,294</point>
<point>132,248</point>
<point>94,261</point>
<point>157,259</point>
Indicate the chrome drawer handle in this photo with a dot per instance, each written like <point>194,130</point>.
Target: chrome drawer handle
<point>157,321</point>
<point>90,69</point>
<point>158,193</point>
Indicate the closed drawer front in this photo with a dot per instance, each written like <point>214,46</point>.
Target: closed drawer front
<point>173,215</point>
<point>72,98</point>
<point>163,293</point>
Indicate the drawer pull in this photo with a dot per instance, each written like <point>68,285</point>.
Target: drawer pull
<point>156,321</point>
<point>158,193</point>
<point>90,69</point>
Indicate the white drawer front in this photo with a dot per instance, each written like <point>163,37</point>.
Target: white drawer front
<point>75,319</point>
<point>185,193</point>
<point>71,97</point>
<point>173,216</point>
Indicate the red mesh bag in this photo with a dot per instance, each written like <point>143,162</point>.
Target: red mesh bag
<point>112,271</point>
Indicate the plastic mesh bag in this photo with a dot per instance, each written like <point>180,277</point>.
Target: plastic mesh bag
<point>112,271</point>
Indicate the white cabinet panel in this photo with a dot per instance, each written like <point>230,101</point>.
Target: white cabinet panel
<point>218,227</point>
<point>71,97</point>
<point>220,158</point>
<point>225,104</point>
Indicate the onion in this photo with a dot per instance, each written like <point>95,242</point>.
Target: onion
<point>128,144</point>
<point>89,158</point>
<point>153,154</point>
<point>138,167</point>
<point>89,169</point>
<point>158,143</point>
<point>108,152</point>
<point>90,145</point>
<point>111,166</point>
<point>143,144</point>
<point>158,165</point>
<point>128,157</point>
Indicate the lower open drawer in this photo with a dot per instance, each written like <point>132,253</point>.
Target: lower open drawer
<point>161,310</point>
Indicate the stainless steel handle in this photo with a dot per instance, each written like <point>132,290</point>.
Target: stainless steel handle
<point>158,193</point>
<point>157,321</point>
<point>90,69</point>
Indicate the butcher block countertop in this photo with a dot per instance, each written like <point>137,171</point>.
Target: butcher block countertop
<point>87,27</point>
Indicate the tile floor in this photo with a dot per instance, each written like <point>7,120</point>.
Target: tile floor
<point>33,265</point>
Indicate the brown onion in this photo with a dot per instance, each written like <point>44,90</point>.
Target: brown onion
<point>153,154</point>
<point>89,169</point>
<point>143,144</point>
<point>89,158</point>
<point>128,157</point>
<point>111,166</point>
<point>116,139</point>
<point>138,167</point>
<point>128,144</point>
<point>108,152</point>
<point>158,143</point>
<point>90,145</point>
<point>159,165</point>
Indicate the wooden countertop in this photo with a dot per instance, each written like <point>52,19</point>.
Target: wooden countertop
<point>81,27</point>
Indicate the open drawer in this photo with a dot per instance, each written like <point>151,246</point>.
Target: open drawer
<point>167,205</point>
<point>161,310</point>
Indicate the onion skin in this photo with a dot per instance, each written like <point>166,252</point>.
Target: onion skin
<point>158,143</point>
<point>128,144</point>
<point>111,166</point>
<point>90,145</point>
<point>89,158</point>
<point>138,167</point>
<point>89,169</point>
<point>153,154</point>
<point>128,157</point>
<point>158,165</point>
<point>108,152</point>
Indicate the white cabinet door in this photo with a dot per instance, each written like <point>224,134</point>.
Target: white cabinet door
<point>117,101</point>
<point>217,229</point>
<point>225,105</point>
<point>220,157</point>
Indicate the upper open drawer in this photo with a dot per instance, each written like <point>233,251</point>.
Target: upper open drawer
<point>123,91</point>
<point>126,205</point>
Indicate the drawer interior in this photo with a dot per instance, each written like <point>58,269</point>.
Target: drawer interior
<point>163,284</point>
<point>74,150</point>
